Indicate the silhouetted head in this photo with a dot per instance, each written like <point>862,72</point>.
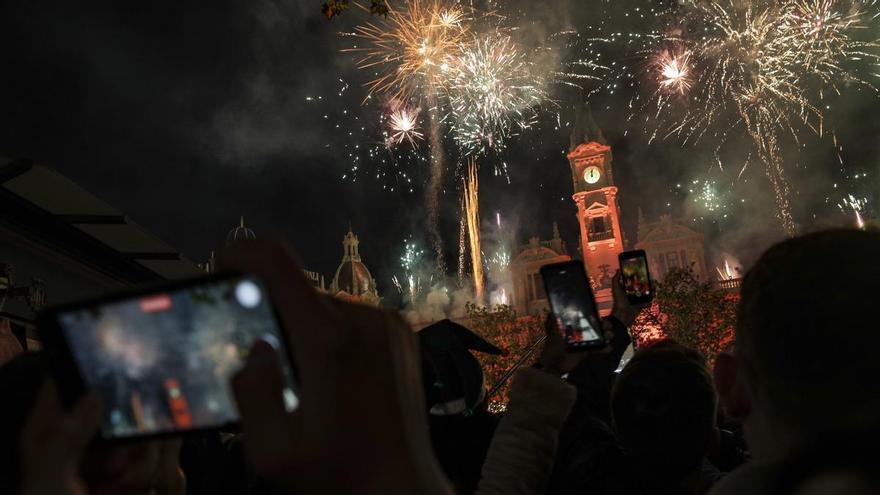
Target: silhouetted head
<point>452,376</point>
<point>807,339</point>
<point>663,406</point>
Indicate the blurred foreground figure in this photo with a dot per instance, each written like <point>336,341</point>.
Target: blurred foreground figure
<point>455,395</point>
<point>45,450</point>
<point>360,428</point>
<point>9,345</point>
<point>804,377</point>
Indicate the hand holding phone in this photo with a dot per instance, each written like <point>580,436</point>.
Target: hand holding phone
<point>347,355</point>
<point>161,360</point>
<point>573,305</point>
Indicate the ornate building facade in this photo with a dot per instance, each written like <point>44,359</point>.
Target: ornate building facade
<point>595,195</point>
<point>670,244</point>
<point>352,281</point>
<point>527,291</point>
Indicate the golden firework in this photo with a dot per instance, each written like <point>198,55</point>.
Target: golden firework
<point>412,48</point>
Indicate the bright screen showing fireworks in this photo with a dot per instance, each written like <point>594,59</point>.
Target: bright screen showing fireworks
<point>572,304</point>
<point>163,362</point>
<point>634,272</point>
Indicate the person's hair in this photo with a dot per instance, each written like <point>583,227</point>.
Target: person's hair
<point>663,407</point>
<point>807,335</point>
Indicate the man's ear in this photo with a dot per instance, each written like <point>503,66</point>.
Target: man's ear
<point>732,395</point>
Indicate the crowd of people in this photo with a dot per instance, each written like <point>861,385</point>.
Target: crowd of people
<point>793,407</point>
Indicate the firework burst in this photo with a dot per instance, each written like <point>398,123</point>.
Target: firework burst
<point>493,92</point>
<point>673,71</point>
<point>403,125</point>
<point>761,67</point>
<point>410,285</point>
<point>412,48</point>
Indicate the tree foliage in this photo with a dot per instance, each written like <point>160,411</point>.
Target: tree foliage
<point>693,312</point>
<point>333,8</point>
<point>514,334</point>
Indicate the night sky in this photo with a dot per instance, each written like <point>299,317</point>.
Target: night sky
<point>185,115</point>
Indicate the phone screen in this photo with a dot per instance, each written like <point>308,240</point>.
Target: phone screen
<point>572,302</point>
<point>162,362</point>
<point>635,278</point>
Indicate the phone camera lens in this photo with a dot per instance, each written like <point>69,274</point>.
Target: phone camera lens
<point>248,294</point>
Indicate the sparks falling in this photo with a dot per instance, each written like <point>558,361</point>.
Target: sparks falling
<point>471,201</point>
<point>856,206</point>
<point>499,261</point>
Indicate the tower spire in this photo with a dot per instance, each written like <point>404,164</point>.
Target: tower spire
<point>585,128</point>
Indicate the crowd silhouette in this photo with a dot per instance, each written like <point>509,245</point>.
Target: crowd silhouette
<point>793,407</point>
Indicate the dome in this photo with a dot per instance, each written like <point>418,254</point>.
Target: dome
<point>353,277</point>
<point>352,280</point>
<point>240,233</point>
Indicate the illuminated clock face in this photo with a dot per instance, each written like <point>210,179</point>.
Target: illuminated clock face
<point>592,174</point>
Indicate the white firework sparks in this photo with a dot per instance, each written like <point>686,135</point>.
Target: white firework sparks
<point>404,127</point>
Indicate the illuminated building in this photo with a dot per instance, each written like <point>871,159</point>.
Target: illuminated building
<point>595,195</point>
<point>670,244</point>
<point>528,295</point>
<point>352,281</point>
<point>316,279</point>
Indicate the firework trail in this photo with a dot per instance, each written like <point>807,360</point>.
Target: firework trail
<point>472,212</point>
<point>435,184</point>
<point>462,243</point>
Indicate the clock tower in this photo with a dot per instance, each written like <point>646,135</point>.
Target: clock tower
<point>596,198</point>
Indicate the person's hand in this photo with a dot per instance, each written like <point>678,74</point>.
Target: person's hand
<point>360,426</point>
<point>150,467</point>
<point>622,309</point>
<point>57,458</point>
<point>558,361</point>
<point>53,443</point>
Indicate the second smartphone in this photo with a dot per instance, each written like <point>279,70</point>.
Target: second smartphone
<point>635,277</point>
<point>573,305</point>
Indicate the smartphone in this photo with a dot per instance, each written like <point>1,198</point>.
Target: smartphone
<point>635,277</point>
<point>161,360</point>
<point>572,303</point>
